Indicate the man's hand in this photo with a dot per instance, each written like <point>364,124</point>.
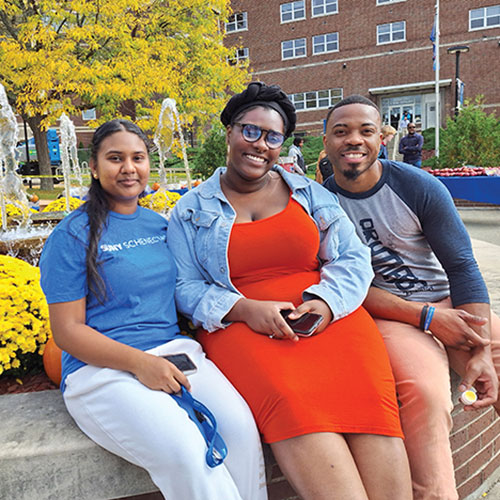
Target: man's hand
<point>480,373</point>
<point>455,328</point>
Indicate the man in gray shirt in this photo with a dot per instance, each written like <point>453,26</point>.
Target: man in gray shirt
<point>428,297</point>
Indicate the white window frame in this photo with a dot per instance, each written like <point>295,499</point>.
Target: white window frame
<point>297,8</point>
<point>316,41</point>
<point>316,99</point>
<point>485,13</point>
<point>391,32</point>
<point>385,2</point>
<point>323,4</point>
<point>237,22</point>
<point>241,54</point>
<point>294,49</point>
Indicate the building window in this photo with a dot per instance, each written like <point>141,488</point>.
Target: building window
<point>391,32</point>
<point>88,114</point>
<point>292,11</point>
<point>325,43</point>
<point>324,7</point>
<point>239,56</point>
<point>383,2</point>
<point>319,99</point>
<point>484,18</point>
<point>293,48</point>
<point>237,22</point>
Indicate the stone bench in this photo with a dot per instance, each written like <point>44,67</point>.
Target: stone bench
<point>44,456</point>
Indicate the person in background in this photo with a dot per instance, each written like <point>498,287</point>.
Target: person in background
<point>295,151</point>
<point>428,297</point>
<point>253,241</point>
<point>410,147</point>
<point>323,167</point>
<point>388,133</point>
<point>109,279</point>
<point>404,121</point>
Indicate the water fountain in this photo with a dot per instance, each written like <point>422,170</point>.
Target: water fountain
<point>69,159</point>
<point>11,184</point>
<point>17,237</point>
<point>168,124</point>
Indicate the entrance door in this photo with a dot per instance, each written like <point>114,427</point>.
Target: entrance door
<point>430,114</point>
<point>396,113</point>
<point>394,116</point>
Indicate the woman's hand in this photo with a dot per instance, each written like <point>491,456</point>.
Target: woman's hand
<point>263,316</point>
<point>159,374</point>
<point>316,306</point>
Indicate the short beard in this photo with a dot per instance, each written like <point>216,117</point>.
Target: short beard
<point>352,175</point>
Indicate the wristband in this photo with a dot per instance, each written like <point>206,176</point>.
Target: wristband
<point>428,318</point>
<point>423,315</point>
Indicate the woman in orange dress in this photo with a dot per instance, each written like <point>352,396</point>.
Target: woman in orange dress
<point>254,240</point>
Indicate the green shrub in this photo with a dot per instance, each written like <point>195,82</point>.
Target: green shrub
<point>471,138</point>
<point>212,153</point>
<point>430,138</point>
<point>431,162</point>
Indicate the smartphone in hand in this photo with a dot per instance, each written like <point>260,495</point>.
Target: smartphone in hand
<point>183,362</point>
<point>305,325</point>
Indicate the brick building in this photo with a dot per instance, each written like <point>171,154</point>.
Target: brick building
<point>319,51</point>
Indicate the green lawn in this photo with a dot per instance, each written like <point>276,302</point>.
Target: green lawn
<point>46,195</point>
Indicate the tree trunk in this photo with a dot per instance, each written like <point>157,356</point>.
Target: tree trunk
<point>42,151</point>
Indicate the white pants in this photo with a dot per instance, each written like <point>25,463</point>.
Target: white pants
<point>149,429</point>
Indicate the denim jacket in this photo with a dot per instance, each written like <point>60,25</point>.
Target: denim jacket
<point>198,236</point>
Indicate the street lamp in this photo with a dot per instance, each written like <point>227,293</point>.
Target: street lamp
<point>457,50</point>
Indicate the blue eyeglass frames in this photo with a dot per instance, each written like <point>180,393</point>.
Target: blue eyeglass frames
<point>252,133</point>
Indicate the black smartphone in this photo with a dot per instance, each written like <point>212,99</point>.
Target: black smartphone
<point>305,325</point>
<point>183,362</point>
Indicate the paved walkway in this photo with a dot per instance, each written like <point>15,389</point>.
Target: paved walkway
<point>488,257</point>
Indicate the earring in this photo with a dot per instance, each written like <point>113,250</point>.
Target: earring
<point>95,175</point>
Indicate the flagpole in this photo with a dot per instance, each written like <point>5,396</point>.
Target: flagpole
<point>438,105</point>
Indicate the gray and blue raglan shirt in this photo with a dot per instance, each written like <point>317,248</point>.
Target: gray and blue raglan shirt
<point>420,248</point>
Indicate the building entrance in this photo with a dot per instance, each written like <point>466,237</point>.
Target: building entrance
<point>393,109</point>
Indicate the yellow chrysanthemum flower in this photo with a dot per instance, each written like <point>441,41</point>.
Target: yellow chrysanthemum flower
<point>161,201</point>
<point>59,205</point>
<point>24,317</point>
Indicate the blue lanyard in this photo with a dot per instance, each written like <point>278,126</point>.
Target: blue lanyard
<point>206,423</point>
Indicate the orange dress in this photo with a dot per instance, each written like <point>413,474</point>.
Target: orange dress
<point>337,381</point>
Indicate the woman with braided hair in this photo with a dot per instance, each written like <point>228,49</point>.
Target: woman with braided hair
<point>253,241</point>
<point>109,278</point>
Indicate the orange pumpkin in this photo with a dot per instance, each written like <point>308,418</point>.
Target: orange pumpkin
<point>52,361</point>
<point>34,198</point>
<point>155,186</point>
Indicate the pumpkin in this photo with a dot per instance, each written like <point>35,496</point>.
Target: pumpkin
<point>52,361</point>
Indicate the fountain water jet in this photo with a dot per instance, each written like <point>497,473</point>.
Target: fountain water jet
<point>168,122</point>
<point>69,158</point>
<point>11,184</point>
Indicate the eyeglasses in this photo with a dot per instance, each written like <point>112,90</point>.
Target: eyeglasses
<point>252,133</point>
<point>410,128</point>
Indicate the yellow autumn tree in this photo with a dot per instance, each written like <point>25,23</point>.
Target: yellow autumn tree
<point>58,55</point>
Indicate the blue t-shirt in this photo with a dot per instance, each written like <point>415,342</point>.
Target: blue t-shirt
<point>138,270</point>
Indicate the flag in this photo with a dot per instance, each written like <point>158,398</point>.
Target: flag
<point>433,40</point>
